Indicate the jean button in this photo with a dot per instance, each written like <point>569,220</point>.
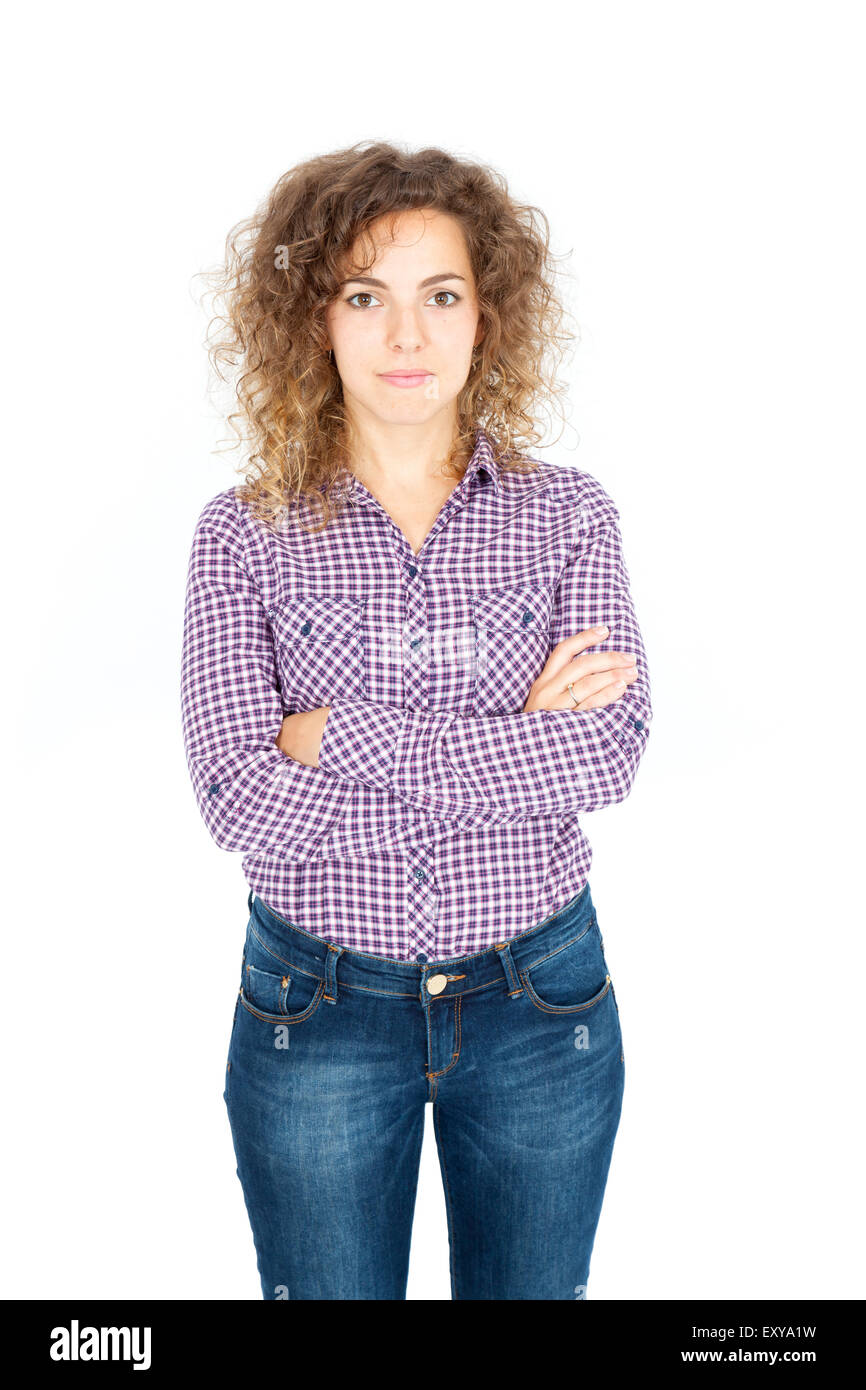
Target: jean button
<point>436,984</point>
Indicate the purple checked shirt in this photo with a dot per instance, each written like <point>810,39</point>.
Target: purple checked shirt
<point>441,818</point>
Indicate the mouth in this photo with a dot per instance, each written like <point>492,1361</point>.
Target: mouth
<point>406,378</point>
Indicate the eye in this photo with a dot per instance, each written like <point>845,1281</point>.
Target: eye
<point>361,294</point>
<point>365,294</point>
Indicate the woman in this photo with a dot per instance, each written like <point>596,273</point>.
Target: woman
<point>410,662</point>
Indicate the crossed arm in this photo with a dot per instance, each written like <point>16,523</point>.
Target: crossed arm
<point>470,771</point>
<point>506,768</point>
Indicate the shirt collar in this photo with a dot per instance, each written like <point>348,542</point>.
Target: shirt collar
<point>482,459</point>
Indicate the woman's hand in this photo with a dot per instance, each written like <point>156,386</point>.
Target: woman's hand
<point>300,735</point>
<point>598,679</point>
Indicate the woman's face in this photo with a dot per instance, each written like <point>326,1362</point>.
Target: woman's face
<point>415,311</point>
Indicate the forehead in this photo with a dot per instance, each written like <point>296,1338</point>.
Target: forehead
<point>411,238</point>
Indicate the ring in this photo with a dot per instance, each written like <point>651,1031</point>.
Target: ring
<point>571,692</point>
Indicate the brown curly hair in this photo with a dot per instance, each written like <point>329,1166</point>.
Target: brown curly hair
<point>284,265</point>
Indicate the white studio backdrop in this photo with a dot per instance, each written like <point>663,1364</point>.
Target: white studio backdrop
<point>702,164</point>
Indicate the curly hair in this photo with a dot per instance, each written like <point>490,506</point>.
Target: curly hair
<point>284,265</point>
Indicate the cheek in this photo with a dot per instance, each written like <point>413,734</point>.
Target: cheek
<point>458,345</point>
<point>356,342</point>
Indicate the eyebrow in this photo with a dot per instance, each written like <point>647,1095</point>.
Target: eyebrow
<point>380,284</point>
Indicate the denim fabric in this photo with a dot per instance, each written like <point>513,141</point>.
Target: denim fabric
<point>334,1054</point>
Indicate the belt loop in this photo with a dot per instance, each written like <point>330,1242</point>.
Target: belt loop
<point>504,952</point>
<point>250,901</point>
<point>332,955</point>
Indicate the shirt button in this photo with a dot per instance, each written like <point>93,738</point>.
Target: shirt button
<point>413,570</point>
<point>436,984</point>
<point>416,642</point>
<point>527,617</point>
<point>306,627</point>
<point>421,958</point>
<point>420,875</point>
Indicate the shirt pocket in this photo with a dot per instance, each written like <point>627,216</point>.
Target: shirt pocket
<point>512,644</point>
<point>320,649</point>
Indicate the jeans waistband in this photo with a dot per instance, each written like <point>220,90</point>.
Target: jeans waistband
<point>342,966</point>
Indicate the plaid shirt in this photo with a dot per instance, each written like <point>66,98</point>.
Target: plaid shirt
<point>441,818</point>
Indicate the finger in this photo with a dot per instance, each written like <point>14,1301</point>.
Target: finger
<point>607,695</point>
<point>586,680</point>
<point>569,647</point>
<point>570,653</point>
<point>590,686</point>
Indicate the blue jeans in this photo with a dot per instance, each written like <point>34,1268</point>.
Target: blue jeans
<point>335,1053</point>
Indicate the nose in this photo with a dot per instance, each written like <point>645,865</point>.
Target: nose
<point>404,330</point>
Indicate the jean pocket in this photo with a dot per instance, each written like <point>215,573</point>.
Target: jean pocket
<point>273,989</point>
<point>512,644</point>
<point>572,979</point>
<point>320,649</point>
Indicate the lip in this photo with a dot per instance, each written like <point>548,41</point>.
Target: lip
<point>404,379</point>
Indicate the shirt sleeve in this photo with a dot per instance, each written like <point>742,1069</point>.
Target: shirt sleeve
<point>507,768</point>
<point>250,795</point>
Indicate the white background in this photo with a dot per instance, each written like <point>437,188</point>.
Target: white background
<point>703,166</point>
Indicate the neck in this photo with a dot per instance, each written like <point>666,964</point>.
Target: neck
<point>404,457</point>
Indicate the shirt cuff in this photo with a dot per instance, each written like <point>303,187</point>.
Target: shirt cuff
<point>359,742</point>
